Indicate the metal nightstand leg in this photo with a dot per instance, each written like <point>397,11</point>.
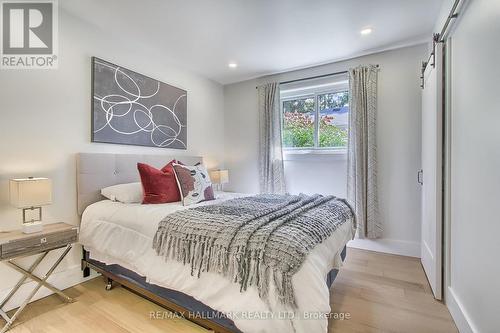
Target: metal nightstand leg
<point>21,281</point>
<point>40,282</point>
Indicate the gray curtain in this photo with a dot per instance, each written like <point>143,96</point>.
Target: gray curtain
<point>272,178</point>
<point>362,150</point>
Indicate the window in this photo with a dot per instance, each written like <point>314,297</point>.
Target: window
<point>333,115</point>
<point>298,122</point>
<point>315,117</point>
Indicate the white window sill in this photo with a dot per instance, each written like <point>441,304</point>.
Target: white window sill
<point>314,154</point>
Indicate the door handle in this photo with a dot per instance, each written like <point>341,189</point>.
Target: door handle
<point>420,177</point>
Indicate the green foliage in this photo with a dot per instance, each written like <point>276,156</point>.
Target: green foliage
<point>304,105</point>
<point>333,100</point>
<point>298,122</point>
<point>331,135</point>
<point>298,131</point>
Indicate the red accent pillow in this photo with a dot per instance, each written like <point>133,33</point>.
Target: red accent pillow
<point>159,186</point>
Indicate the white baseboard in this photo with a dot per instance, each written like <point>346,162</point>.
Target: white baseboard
<point>462,320</point>
<point>404,248</point>
<point>62,280</point>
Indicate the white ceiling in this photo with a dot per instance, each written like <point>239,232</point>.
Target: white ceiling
<point>262,36</point>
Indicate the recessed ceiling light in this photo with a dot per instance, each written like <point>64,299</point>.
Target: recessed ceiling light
<point>366,31</point>
<point>232,65</point>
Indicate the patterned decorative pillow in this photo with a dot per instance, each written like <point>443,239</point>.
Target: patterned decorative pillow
<point>194,184</point>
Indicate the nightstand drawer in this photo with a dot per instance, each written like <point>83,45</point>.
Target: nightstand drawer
<point>37,243</point>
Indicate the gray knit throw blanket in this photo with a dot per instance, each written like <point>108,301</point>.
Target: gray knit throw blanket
<point>253,240</point>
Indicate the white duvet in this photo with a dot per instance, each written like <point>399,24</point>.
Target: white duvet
<point>117,233</point>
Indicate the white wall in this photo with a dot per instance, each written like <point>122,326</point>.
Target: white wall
<point>398,140</point>
<point>45,121</point>
<point>473,293</point>
<point>323,174</point>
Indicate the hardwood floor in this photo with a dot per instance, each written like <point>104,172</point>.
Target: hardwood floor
<point>386,293</point>
<point>380,292</point>
<point>98,310</point>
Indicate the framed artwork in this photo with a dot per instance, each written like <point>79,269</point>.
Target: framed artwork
<point>133,109</point>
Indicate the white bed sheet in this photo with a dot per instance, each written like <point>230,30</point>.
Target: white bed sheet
<point>117,233</point>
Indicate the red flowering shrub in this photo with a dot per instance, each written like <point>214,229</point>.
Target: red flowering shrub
<point>298,131</point>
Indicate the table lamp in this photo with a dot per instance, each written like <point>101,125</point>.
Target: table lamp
<point>219,177</point>
<point>31,194</point>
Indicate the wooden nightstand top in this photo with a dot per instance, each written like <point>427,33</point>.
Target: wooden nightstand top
<point>16,243</point>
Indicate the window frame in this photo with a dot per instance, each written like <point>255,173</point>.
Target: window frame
<point>315,149</point>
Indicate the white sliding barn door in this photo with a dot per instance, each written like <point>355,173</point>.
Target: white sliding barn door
<point>432,121</point>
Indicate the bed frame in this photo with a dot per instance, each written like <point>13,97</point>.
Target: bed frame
<point>96,171</point>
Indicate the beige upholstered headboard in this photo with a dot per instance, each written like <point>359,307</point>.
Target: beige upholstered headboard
<point>96,171</point>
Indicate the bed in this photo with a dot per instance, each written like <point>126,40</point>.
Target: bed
<point>117,240</point>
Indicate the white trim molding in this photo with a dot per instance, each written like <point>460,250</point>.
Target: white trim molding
<point>385,245</point>
<point>325,155</point>
<point>457,311</point>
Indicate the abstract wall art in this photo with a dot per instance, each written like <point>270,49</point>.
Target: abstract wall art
<point>133,109</point>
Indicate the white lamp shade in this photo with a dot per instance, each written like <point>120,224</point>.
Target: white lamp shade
<point>219,176</point>
<point>30,192</point>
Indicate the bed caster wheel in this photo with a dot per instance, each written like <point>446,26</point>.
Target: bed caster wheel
<point>109,285</point>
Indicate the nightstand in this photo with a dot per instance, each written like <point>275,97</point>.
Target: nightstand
<point>15,244</point>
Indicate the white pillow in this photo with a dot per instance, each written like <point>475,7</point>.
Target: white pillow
<point>126,193</point>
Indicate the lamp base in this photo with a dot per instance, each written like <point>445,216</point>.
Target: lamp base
<point>32,227</point>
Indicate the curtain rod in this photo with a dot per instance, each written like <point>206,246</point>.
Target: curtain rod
<point>316,77</point>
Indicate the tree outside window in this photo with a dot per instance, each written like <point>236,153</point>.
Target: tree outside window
<point>316,121</point>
